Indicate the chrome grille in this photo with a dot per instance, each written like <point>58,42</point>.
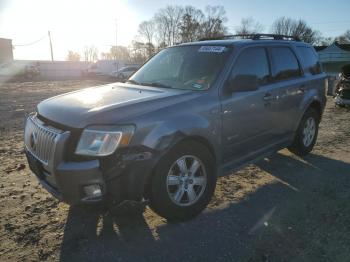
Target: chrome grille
<point>40,140</point>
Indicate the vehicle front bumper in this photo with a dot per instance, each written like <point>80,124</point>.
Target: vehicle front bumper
<point>121,178</point>
<point>66,182</point>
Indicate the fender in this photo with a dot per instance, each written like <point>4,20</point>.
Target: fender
<point>160,139</point>
<point>175,129</point>
<point>311,96</point>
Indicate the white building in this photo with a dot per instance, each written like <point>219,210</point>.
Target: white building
<point>334,57</point>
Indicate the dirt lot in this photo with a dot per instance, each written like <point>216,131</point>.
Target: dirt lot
<point>284,208</point>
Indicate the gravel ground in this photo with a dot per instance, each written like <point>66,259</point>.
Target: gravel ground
<point>283,208</point>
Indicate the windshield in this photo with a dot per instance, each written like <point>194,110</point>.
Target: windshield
<point>183,67</point>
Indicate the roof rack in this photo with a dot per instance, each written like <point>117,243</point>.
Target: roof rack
<point>254,37</point>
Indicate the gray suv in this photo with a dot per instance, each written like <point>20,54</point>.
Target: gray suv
<point>193,112</point>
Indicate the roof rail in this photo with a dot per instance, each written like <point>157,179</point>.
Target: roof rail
<point>254,37</point>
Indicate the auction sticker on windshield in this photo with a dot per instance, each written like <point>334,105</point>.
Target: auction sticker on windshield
<point>212,49</point>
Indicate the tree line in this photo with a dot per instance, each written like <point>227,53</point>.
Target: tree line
<point>176,24</point>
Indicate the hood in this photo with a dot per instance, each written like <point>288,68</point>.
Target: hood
<point>108,104</point>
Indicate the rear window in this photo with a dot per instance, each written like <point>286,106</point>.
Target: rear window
<point>309,59</point>
<point>286,65</point>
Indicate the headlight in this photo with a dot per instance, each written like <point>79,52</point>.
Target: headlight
<point>103,140</point>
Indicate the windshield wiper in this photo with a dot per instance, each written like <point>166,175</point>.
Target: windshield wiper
<point>133,82</point>
<point>156,84</point>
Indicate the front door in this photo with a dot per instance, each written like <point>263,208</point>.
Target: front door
<point>248,115</point>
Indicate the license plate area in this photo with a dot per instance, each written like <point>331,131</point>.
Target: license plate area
<point>37,168</point>
<point>35,165</point>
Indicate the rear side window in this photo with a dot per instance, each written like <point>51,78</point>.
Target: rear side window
<point>309,60</point>
<point>252,62</point>
<point>286,65</point>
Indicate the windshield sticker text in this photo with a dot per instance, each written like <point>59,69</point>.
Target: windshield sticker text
<point>211,49</point>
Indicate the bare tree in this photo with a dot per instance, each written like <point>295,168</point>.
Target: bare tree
<point>119,52</point>
<point>175,24</point>
<point>90,53</point>
<point>168,22</point>
<point>139,52</point>
<point>191,24</point>
<point>249,26</point>
<point>215,18</point>
<point>147,31</point>
<point>347,34</point>
<point>325,41</point>
<point>344,38</point>
<point>73,56</point>
<point>105,56</point>
<point>297,28</point>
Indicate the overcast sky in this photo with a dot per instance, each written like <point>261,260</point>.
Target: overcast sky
<point>75,24</point>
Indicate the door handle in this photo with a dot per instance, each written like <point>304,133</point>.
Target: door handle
<point>301,89</point>
<point>267,97</point>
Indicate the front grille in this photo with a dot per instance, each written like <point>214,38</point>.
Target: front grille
<point>39,139</point>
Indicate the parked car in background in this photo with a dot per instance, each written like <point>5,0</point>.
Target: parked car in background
<point>193,112</point>
<point>124,72</point>
<point>104,67</point>
<point>15,70</point>
<point>11,69</point>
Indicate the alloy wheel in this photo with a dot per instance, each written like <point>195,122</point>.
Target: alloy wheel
<point>186,180</point>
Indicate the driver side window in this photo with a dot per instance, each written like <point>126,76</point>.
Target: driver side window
<point>252,62</point>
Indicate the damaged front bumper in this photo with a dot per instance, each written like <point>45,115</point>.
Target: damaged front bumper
<point>121,176</point>
<point>67,181</point>
<point>95,181</point>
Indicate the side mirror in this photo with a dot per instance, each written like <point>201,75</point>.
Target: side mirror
<point>243,83</point>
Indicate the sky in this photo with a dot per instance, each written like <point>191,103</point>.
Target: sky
<point>77,23</point>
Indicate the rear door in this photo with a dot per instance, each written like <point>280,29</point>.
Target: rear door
<point>290,84</point>
<point>313,75</point>
<point>247,119</point>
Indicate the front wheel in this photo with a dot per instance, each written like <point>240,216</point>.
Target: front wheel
<point>184,182</point>
<point>306,135</point>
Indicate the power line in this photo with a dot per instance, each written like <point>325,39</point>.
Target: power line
<point>32,43</point>
<point>331,22</point>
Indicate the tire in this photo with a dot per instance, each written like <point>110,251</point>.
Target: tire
<point>196,188</point>
<point>304,140</point>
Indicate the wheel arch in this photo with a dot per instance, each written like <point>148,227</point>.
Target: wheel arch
<point>315,104</point>
<point>312,103</point>
<point>194,139</point>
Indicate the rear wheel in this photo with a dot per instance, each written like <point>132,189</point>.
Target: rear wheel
<point>306,135</point>
<point>184,182</point>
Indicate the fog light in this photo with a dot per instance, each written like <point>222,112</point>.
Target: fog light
<point>93,191</point>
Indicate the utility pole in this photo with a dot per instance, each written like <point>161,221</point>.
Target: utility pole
<point>116,44</point>
<point>50,46</point>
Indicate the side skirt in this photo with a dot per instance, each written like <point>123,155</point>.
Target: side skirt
<point>253,157</point>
